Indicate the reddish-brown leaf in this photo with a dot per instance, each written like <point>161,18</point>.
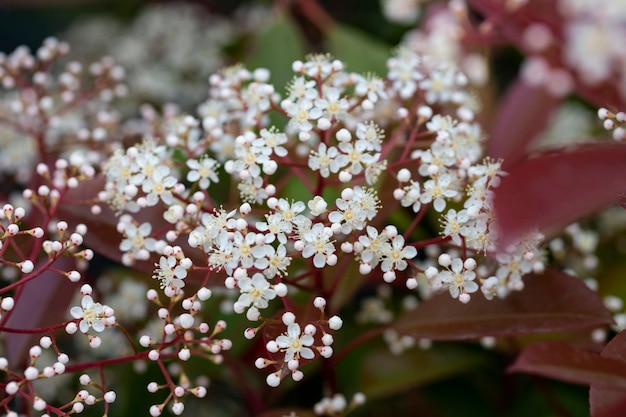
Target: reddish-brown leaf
<point>522,114</point>
<point>553,189</point>
<point>561,361</point>
<point>610,401</point>
<point>550,302</point>
<point>44,301</point>
<point>102,236</point>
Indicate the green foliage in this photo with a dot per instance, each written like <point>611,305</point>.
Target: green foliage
<point>276,48</point>
<point>360,52</point>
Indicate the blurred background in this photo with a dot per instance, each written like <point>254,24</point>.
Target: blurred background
<point>169,49</point>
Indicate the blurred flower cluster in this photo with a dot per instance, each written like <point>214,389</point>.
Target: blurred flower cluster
<point>258,243</point>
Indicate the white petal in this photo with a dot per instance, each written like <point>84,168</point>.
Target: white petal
<point>97,325</point>
<point>77,312</point>
<point>306,353</point>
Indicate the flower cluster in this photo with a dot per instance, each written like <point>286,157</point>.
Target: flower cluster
<point>262,213</point>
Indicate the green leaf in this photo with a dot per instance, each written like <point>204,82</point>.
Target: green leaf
<point>276,48</point>
<point>289,412</point>
<point>550,302</point>
<point>359,51</point>
<point>378,373</point>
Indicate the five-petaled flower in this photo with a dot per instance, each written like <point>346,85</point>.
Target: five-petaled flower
<point>294,345</point>
<point>90,313</point>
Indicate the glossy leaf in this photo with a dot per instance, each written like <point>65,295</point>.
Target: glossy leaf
<point>380,374</point>
<point>566,363</point>
<point>610,401</point>
<point>276,48</point>
<point>358,50</point>
<point>103,237</point>
<point>553,189</point>
<point>523,113</point>
<point>550,302</point>
<point>44,301</point>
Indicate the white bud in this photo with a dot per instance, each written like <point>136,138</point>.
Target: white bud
<point>95,342</point>
<point>404,175</point>
<point>204,294</point>
<point>344,135</point>
<point>273,380</point>
<point>335,323</point>
<point>7,303</point>
<point>110,397</point>
<point>153,355</point>
<point>319,302</point>
<point>45,342</point>
<point>145,340</point>
<point>288,318</point>
<point>280,289</point>
<point>26,266</point>
<point>444,260</point>
<point>31,373</point>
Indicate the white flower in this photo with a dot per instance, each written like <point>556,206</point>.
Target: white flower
<point>276,262</point>
<point>412,196</point>
<point>272,139</point>
<point>289,212</point>
<point>370,86</point>
<point>90,313</point>
<point>203,171</point>
<point>356,156</point>
<point>246,251</point>
<point>318,244</point>
<point>458,279</point>
<point>302,88</point>
<point>375,246</point>
<point>275,227</point>
<point>136,240</point>
<point>438,190</point>
<point>370,135</point>
<point>159,185</point>
<point>454,224</point>
<point>347,216</point>
<point>169,273</point>
<point>294,345</point>
<point>301,113</point>
<point>395,258</point>
<point>222,257</point>
<point>512,267</point>
<point>332,106</point>
<point>255,291</point>
<point>404,72</point>
<point>444,84</point>
<point>327,160</point>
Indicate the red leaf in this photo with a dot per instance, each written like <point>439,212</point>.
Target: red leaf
<point>561,361</point>
<point>522,114</point>
<point>550,302</point>
<point>610,401</point>
<point>553,189</point>
<point>44,301</point>
<point>102,236</point>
